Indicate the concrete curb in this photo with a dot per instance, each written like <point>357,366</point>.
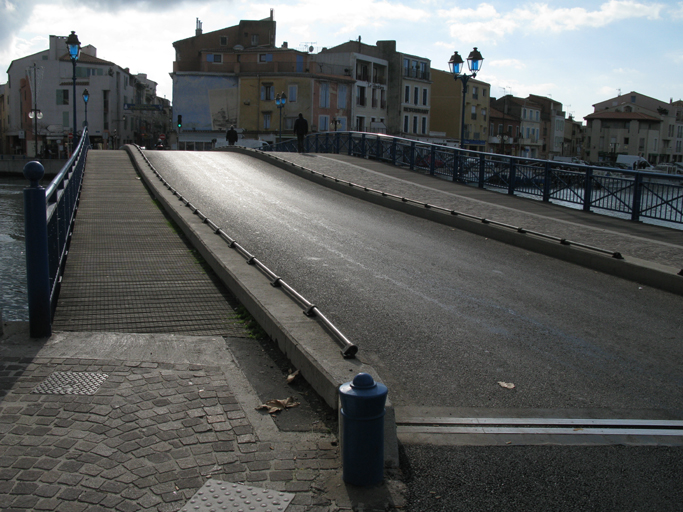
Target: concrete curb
<point>633,269</point>
<point>309,347</point>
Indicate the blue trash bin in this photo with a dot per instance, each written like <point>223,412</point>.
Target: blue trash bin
<point>362,411</point>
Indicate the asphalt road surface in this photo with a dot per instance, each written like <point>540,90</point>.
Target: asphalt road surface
<point>443,315</point>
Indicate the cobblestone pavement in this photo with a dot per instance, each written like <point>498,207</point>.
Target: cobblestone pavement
<point>146,438</point>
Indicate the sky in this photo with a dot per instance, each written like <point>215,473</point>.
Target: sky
<point>577,52</point>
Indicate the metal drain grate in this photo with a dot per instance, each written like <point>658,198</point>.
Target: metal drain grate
<point>71,383</point>
<point>216,495</point>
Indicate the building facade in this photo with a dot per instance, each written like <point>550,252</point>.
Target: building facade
<point>635,124</point>
<point>552,126</point>
<point>504,132</point>
<point>122,107</point>
<point>369,107</point>
<point>447,116</point>
<point>527,113</point>
<point>234,76</point>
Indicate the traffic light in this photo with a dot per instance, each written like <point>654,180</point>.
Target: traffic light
<point>180,121</point>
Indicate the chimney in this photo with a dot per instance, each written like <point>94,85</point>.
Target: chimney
<point>284,44</point>
<point>271,15</point>
<point>198,30</point>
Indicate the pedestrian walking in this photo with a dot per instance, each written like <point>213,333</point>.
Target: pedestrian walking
<point>300,129</point>
<point>231,135</point>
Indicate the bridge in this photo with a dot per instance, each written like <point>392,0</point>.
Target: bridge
<point>567,332</point>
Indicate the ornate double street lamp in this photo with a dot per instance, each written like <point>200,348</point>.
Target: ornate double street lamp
<point>86,97</point>
<point>474,63</point>
<point>74,46</point>
<point>280,100</point>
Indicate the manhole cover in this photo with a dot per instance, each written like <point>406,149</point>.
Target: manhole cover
<point>71,383</point>
<point>216,495</point>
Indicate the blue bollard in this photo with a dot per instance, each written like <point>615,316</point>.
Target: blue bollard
<point>37,265</point>
<point>362,410</point>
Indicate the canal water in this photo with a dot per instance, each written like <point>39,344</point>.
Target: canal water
<point>13,301</point>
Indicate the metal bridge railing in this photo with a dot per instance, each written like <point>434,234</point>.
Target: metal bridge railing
<point>48,219</point>
<point>638,194</point>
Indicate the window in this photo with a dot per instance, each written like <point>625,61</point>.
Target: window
<point>474,113</point>
<point>406,68</point>
<point>680,132</point>
<point>424,97</point>
<point>266,121</point>
<point>537,115</point>
<point>475,93</point>
<point>254,39</point>
<point>524,114</point>
<point>424,126</point>
<point>342,91</point>
<point>62,96</point>
<point>483,114</point>
<point>423,71</point>
<point>416,96</point>
<point>500,129</point>
<point>214,57</point>
<point>414,124</point>
<point>406,97</point>
<point>671,130</point>
<point>678,146</point>
<point>265,57</point>
<point>323,123</point>
<point>374,98</point>
<point>267,92</point>
<point>293,90</point>
<point>360,96</point>
<point>324,95</point>
<point>633,99</point>
<point>406,122</point>
<point>224,41</point>
<point>483,93</point>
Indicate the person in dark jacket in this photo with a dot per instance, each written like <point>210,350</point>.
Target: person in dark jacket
<point>300,129</point>
<point>231,135</point>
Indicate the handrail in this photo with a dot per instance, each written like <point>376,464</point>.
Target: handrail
<point>348,349</point>
<point>639,194</point>
<point>49,216</point>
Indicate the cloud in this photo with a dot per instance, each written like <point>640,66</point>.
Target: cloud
<point>13,15</point>
<point>507,63</point>
<point>343,18</point>
<point>677,14</point>
<point>487,24</point>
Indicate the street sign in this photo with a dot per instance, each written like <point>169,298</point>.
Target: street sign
<point>162,136</point>
<point>71,135</point>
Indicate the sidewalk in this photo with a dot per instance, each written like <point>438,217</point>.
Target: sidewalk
<point>101,417</point>
<point>141,426</point>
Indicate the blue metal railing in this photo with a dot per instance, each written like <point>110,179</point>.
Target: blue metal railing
<point>48,216</point>
<point>637,194</point>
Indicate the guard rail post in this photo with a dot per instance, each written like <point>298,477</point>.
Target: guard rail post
<point>432,160</point>
<point>512,177</point>
<point>37,259</point>
<point>546,182</point>
<point>588,190</point>
<point>412,156</point>
<point>482,170</point>
<point>637,193</point>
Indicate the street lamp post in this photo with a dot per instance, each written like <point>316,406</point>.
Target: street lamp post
<point>280,100</point>
<point>86,97</point>
<point>474,63</point>
<point>74,46</point>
